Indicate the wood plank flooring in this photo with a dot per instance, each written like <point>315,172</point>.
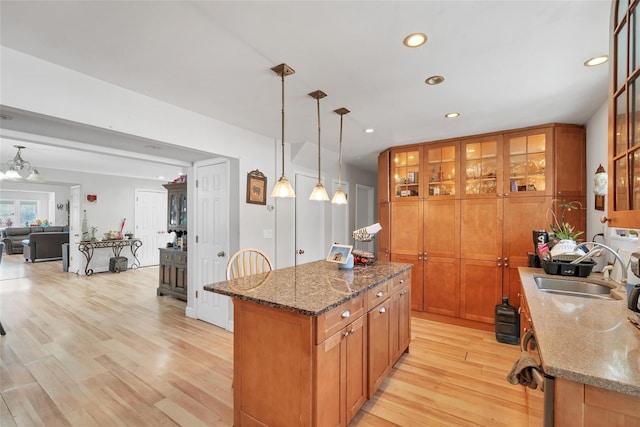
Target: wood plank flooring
<point>106,351</point>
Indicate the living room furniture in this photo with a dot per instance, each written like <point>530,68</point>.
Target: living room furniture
<point>87,249</point>
<point>172,279</point>
<point>13,236</point>
<point>40,246</point>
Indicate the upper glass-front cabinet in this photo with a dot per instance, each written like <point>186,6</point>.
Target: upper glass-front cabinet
<point>406,173</point>
<point>176,206</point>
<point>526,158</point>
<point>480,165</point>
<point>624,119</point>
<point>440,169</point>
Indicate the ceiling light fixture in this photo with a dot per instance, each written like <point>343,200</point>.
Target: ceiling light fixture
<point>339,197</point>
<point>283,186</point>
<point>452,115</point>
<point>415,40</point>
<point>369,130</point>
<point>597,60</point>
<point>319,193</point>
<point>434,80</point>
<point>17,166</point>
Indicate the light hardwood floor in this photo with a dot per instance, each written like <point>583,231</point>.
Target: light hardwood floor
<point>105,350</point>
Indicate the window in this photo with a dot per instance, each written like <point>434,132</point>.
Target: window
<point>18,213</point>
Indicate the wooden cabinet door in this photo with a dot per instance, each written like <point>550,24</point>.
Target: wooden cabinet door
<point>384,235</point>
<point>407,223</point>
<point>383,176</point>
<point>416,278</point>
<point>441,166</point>
<point>522,215</point>
<point>442,286</point>
<point>481,229</point>
<point>403,310</point>
<point>570,157</point>
<point>378,336</point>
<point>480,290</point>
<point>330,373</point>
<point>356,367</point>
<point>528,163</point>
<point>480,167</point>
<point>441,228</point>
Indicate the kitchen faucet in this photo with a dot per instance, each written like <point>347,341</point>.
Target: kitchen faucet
<point>623,267</point>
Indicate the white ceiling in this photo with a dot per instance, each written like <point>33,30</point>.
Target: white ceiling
<point>506,64</point>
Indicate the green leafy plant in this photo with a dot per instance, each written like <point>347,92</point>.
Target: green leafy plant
<point>563,230</point>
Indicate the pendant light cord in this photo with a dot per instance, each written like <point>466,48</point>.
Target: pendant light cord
<point>340,155</point>
<point>282,76</point>
<point>319,173</point>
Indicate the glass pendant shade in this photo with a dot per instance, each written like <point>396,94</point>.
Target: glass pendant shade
<point>12,174</point>
<point>339,197</point>
<point>34,176</point>
<point>283,188</point>
<point>319,194</point>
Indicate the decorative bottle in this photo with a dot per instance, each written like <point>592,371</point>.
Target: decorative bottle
<point>85,228</point>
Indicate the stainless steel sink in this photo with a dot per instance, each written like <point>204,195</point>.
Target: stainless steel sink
<point>578,288</point>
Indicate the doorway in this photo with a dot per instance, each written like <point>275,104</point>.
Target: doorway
<point>364,212</point>
<point>310,222</point>
<point>151,224</point>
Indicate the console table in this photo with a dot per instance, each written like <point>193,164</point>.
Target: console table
<point>116,246</point>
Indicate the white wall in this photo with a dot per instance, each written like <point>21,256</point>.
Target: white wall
<point>597,154</point>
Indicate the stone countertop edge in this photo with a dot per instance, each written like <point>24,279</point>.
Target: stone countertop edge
<point>309,289</point>
<point>584,340</point>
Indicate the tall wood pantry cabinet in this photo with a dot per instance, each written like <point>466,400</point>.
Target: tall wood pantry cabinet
<point>172,276</point>
<point>462,211</point>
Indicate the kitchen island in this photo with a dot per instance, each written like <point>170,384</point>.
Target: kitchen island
<point>591,349</point>
<point>313,342</point>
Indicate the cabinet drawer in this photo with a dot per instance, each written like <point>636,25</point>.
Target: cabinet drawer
<point>400,280</point>
<point>378,294</point>
<point>179,258</point>
<point>333,320</point>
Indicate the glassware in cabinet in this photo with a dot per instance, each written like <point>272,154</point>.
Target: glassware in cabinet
<point>481,166</point>
<point>440,168</point>
<point>526,155</point>
<point>406,172</point>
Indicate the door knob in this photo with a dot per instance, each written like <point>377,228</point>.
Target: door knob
<point>300,251</point>
<point>221,254</point>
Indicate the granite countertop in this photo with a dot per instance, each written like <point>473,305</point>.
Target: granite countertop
<point>582,339</point>
<point>310,289</point>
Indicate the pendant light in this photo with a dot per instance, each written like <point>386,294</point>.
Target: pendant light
<point>283,186</point>
<point>340,198</point>
<point>319,193</point>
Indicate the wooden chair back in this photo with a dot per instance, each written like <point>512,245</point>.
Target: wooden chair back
<point>246,262</point>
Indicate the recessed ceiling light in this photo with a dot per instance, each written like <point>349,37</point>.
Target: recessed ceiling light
<point>415,40</point>
<point>452,115</point>
<point>596,61</point>
<point>368,130</point>
<point>434,80</point>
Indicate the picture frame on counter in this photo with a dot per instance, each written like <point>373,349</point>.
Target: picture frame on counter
<point>256,188</point>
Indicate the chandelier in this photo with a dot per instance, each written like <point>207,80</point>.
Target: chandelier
<point>17,166</point>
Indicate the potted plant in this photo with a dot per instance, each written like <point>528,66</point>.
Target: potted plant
<point>563,235</point>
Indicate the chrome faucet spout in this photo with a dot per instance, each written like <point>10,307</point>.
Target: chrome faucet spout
<point>623,267</point>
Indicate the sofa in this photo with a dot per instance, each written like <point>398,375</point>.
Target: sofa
<point>44,245</point>
<point>13,236</point>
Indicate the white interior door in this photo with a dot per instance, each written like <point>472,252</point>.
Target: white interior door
<point>212,222</point>
<point>364,212</point>
<point>310,226</point>
<point>151,224</point>
<point>340,232</point>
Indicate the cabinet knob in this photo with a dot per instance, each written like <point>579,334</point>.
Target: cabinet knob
<point>499,258</point>
<point>401,281</point>
<point>346,334</point>
<point>506,259</point>
<point>403,293</point>
<point>345,314</point>
<point>499,264</point>
<point>379,294</point>
<point>383,310</point>
<point>499,194</point>
<point>506,194</point>
<point>352,331</point>
<point>506,264</point>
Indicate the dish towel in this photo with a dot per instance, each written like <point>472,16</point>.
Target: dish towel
<point>521,371</point>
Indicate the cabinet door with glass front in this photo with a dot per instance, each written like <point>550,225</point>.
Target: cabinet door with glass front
<point>527,160</point>
<point>440,168</point>
<point>480,166</point>
<point>406,173</point>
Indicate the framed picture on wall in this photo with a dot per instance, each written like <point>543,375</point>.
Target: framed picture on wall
<point>256,188</point>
